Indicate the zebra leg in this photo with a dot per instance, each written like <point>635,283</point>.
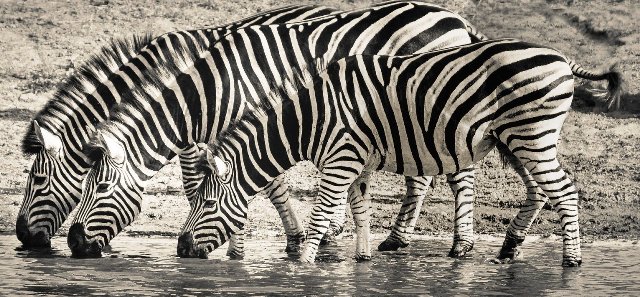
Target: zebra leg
<point>461,184</point>
<point>336,226</point>
<point>360,202</point>
<point>236,245</point>
<point>520,225</point>
<point>278,193</point>
<point>191,179</point>
<point>334,185</point>
<point>555,184</point>
<point>191,176</point>
<point>408,215</point>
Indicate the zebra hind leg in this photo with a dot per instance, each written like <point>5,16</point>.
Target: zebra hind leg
<point>543,165</point>
<point>408,215</point>
<point>461,184</point>
<point>521,224</point>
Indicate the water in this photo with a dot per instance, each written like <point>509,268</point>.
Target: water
<point>148,266</point>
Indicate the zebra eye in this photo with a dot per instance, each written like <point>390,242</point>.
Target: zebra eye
<point>210,203</point>
<point>39,179</point>
<point>103,187</point>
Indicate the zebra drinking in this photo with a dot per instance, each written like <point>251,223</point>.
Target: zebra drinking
<point>424,114</point>
<point>58,133</point>
<point>194,98</point>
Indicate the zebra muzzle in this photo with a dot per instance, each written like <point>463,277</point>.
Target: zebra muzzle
<point>39,240</point>
<point>187,248</point>
<point>80,245</point>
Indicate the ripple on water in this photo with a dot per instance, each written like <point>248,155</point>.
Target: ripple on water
<point>148,266</point>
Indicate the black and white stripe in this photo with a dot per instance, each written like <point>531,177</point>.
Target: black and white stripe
<point>196,98</point>
<point>423,114</point>
<point>59,132</point>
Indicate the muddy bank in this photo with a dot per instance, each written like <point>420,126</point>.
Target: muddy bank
<point>43,42</point>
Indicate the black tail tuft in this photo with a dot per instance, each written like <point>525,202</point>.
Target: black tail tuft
<point>615,87</point>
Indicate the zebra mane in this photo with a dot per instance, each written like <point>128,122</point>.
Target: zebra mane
<point>175,61</point>
<point>94,149</point>
<point>289,88</point>
<point>89,75</point>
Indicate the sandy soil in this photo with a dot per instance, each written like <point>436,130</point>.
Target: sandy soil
<point>42,42</point>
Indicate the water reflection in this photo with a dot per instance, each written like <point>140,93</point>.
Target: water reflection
<point>148,266</point>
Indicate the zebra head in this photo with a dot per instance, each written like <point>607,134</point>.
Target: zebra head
<point>218,209</point>
<point>52,191</point>
<point>111,199</point>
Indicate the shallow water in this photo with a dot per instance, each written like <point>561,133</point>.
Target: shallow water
<point>148,266</point>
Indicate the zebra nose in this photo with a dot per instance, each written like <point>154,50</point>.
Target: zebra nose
<point>39,240</point>
<point>22,230</point>
<point>80,245</point>
<point>76,238</point>
<point>185,245</point>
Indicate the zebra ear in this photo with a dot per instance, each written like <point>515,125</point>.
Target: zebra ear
<point>219,166</point>
<point>113,148</point>
<point>49,141</point>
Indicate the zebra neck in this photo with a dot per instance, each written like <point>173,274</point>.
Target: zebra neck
<point>261,147</point>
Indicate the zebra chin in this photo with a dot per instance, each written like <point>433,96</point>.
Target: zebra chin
<point>41,239</point>
<point>188,249</point>
<point>80,245</point>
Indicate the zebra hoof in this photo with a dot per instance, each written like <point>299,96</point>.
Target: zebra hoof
<point>509,256</point>
<point>363,258</point>
<point>294,242</point>
<point>571,262</point>
<point>511,248</point>
<point>329,238</point>
<point>460,249</point>
<point>306,257</point>
<point>390,244</point>
<point>236,255</point>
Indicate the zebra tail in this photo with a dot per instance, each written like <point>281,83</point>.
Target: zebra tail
<point>613,77</point>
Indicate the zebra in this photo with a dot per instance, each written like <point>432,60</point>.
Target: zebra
<point>196,97</point>
<point>423,114</point>
<point>58,132</point>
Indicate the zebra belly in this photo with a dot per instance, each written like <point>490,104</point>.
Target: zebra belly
<point>438,155</point>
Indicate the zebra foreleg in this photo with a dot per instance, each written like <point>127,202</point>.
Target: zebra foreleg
<point>408,215</point>
<point>360,203</point>
<point>235,250</point>
<point>334,185</point>
<point>461,184</point>
<point>555,184</point>
<point>336,226</point>
<point>278,194</point>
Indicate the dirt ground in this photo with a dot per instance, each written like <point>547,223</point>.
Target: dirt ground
<point>42,42</point>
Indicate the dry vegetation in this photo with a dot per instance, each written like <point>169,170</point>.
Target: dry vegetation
<point>44,41</point>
